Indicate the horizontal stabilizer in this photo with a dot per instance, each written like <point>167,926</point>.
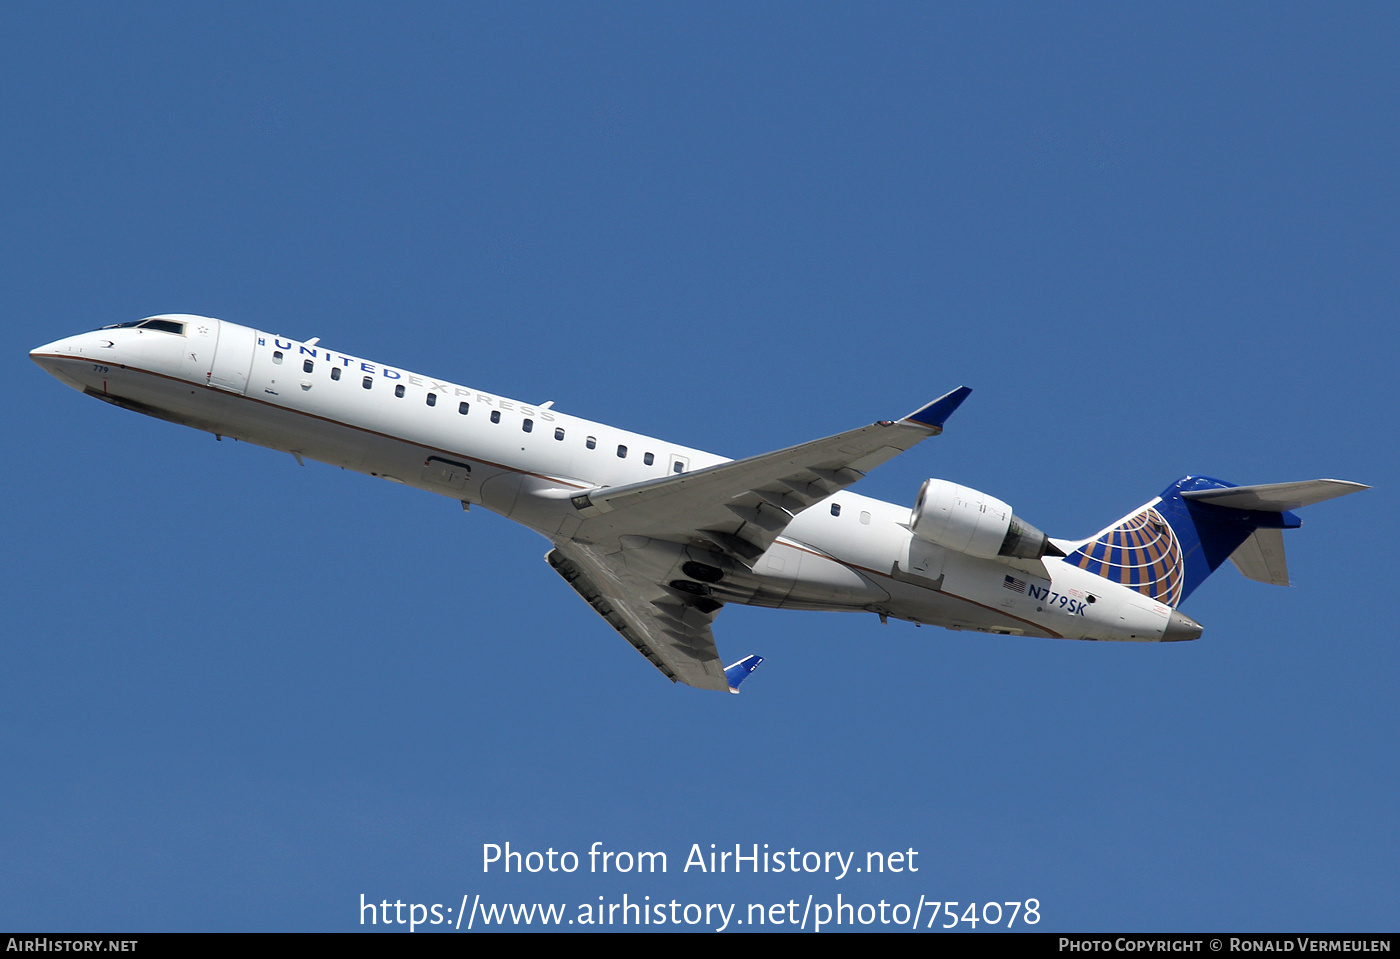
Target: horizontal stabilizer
<point>1275,497</point>
<point>1167,547</point>
<point>1260,557</point>
<point>739,672</point>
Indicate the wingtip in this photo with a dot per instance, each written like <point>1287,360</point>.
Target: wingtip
<point>936,413</point>
<point>740,671</point>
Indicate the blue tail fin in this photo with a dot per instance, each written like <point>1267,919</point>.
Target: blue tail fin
<point>1167,547</point>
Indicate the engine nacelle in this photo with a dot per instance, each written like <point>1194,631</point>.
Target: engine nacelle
<point>969,521</point>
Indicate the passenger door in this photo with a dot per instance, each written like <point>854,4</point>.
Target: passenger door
<point>233,358</point>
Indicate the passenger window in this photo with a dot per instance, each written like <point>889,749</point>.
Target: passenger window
<point>277,356</point>
<point>558,432</point>
<point>621,452</point>
<point>398,391</point>
<point>367,382</point>
<point>308,366</point>
<point>835,509</point>
<point>495,416</point>
<point>335,372</point>
<point>432,399</point>
<point>864,518</point>
<point>462,408</point>
<point>527,425</point>
<point>591,442</point>
<point>648,459</point>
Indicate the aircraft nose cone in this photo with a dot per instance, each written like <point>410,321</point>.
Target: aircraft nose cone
<point>83,344</point>
<point>1181,628</point>
<point>43,355</point>
<point>59,360</point>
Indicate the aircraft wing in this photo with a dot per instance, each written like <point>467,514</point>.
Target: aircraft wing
<point>742,506</point>
<point>674,635</point>
<point>620,552</point>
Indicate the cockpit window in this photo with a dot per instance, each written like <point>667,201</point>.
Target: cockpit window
<point>168,326</point>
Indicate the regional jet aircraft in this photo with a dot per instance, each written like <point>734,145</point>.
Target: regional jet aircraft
<point>658,537</point>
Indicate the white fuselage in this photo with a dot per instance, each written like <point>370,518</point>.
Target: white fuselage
<point>524,460</point>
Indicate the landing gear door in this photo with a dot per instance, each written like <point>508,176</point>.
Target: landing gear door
<point>233,358</point>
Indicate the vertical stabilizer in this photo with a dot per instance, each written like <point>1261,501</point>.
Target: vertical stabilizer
<point>1166,548</point>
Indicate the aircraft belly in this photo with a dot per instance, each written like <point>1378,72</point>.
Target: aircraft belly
<point>270,425</point>
<point>264,423</point>
<point>304,423</point>
<point>814,581</point>
<point>954,610</point>
<point>993,597</point>
<point>162,397</point>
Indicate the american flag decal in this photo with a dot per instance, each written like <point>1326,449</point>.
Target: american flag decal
<point>1012,583</point>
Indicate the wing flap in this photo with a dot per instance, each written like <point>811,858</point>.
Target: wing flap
<point>673,636</point>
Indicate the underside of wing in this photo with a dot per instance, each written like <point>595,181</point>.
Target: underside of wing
<point>671,629</point>
<point>631,553</point>
<point>740,507</point>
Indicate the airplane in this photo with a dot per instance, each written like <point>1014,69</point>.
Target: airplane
<point>659,537</point>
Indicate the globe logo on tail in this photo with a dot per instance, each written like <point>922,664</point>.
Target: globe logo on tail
<point>1142,553</point>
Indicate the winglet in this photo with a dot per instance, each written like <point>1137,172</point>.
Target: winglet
<point>937,412</point>
<point>739,672</point>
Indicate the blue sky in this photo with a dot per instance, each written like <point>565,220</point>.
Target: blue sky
<point>1155,239</point>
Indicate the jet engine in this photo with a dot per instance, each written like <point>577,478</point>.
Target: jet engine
<point>972,522</point>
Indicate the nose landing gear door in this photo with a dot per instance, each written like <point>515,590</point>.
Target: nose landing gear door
<point>233,358</point>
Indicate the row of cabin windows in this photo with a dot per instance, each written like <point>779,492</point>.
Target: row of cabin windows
<point>527,425</point>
